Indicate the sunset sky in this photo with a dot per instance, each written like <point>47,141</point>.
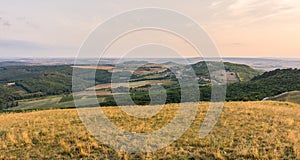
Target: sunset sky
<point>240,28</point>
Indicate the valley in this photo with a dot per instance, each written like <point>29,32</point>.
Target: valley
<point>43,87</point>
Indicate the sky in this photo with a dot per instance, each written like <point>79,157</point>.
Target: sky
<point>239,28</point>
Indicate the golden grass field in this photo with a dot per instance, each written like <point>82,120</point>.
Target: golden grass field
<point>108,68</point>
<point>246,130</point>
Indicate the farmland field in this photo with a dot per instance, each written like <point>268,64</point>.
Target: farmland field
<point>108,68</point>
<point>246,130</point>
<point>41,103</point>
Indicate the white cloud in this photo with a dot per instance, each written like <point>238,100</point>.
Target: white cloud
<point>250,11</point>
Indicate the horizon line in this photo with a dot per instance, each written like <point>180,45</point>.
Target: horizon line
<point>224,57</point>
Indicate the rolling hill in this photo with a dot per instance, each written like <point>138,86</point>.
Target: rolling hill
<point>19,83</point>
<point>266,85</point>
<point>30,82</point>
<point>241,71</point>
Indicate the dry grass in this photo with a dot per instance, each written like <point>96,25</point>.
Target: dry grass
<point>293,97</point>
<point>246,130</point>
<point>108,68</point>
<point>131,84</point>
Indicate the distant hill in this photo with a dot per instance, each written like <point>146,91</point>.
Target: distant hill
<point>266,85</point>
<point>23,82</point>
<point>235,72</point>
<point>293,96</point>
<point>13,63</point>
<point>244,83</point>
<point>244,72</point>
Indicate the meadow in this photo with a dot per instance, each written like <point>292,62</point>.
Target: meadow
<point>245,130</point>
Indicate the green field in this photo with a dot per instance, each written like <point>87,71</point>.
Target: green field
<point>43,103</point>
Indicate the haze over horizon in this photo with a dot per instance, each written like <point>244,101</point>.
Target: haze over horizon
<point>240,28</point>
<point>117,57</point>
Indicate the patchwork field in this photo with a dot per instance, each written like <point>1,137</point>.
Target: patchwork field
<point>131,84</point>
<point>246,130</point>
<point>43,103</point>
<point>108,68</point>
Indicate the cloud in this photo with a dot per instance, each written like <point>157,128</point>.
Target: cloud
<point>250,11</point>
<point>21,18</point>
<point>6,24</point>
<point>258,9</point>
<point>21,48</point>
<point>18,22</point>
<point>236,44</point>
<point>21,45</point>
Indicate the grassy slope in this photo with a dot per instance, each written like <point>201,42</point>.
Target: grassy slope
<point>244,72</point>
<point>266,85</point>
<point>43,103</point>
<point>264,130</point>
<point>293,97</point>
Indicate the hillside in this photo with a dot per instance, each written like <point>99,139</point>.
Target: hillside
<point>19,83</point>
<point>246,130</point>
<point>25,82</point>
<point>13,63</point>
<point>36,87</point>
<point>241,71</point>
<point>244,72</point>
<point>293,96</point>
<point>266,85</point>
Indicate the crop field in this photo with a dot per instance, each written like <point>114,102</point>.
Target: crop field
<point>43,103</point>
<point>131,84</point>
<point>245,130</point>
<point>108,68</point>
